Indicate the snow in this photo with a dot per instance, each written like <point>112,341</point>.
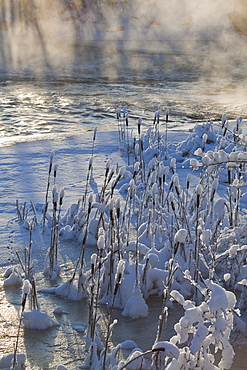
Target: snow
<point>13,277</point>
<point>168,348</point>
<point>6,361</point>
<point>136,306</point>
<point>218,300</point>
<point>180,236</point>
<point>132,235</point>
<point>128,344</point>
<point>39,320</point>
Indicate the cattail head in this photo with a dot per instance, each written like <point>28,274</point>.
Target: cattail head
<point>119,275</point>
<point>61,196</point>
<point>180,236</point>
<point>118,112</point>
<point>199,190</point>
<point>111,204</point>
<point>171,200</point>
<point>55,194</point>
<point>55,170</point>
<point>51,160</point>
<point>175,180</point>
<point>101,241</point>
<point>117,205</point>
<point>127,119</point>
<point>90,163</point>
<point>125,111</point>
<point>90,198</point>
<point>93,262</point>
<point>31,225</point>
<point>157,114</point>
<point>206,236</point>
<point>155,117</point>
<point>27,287</point>
<point>223,119</point>
<point>204,140</point>
<point>173,164</point>
<point>139,125</point>
<point>167,114</point>
<point>136,169</point>
<point>132,185</point>
<point>188,181</point>
<point>94,133</point>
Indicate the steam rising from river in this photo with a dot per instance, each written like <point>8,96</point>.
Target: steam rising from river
<point>49,29</point>
<point>43,37</point>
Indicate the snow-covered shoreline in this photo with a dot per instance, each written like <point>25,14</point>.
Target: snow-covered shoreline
<point>171,159</point>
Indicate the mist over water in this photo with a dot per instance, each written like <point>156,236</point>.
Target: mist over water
<point>66,66</point>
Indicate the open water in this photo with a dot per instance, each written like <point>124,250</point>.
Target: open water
<point>66,89</point>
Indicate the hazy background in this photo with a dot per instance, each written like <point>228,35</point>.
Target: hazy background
<point>49,29</point>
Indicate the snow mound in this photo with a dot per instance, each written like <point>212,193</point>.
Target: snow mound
<point>40,320</point>
<point>6,361</point>
<point>136,306</point>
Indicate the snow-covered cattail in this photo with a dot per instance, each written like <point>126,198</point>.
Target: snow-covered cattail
<point>101,240</point>
<point>206,236</point>
<point>171,200</point>
<point>108,166</point>
<point>93,262</point>
<point>136,169</point>
<point>26,287</point>
<point>117,205</point>
<point>214,188</point>
<point>179,238</point>
<point>119,275</point>
<point>90,199</point>
<point>118,112</point>
<point>26,290</point>
<point>167,114</point>
<point>139,126</point>
<point>173,165</point>
<point>127,119</point>
<point>94,133</point>
<point>199,190</point>
<point>157,117</point>
<point>90,163</point>
<point>111,208</point>
<point>55,171</point>
<point>54,190</point>
<point>188,179</point>
<point>132,185</point>
<point>125,111</point>
<point>61,196</point>
<point>55,196</point>
<point>204,141</point>
<point>51,160</point>
<point>223,119</point>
